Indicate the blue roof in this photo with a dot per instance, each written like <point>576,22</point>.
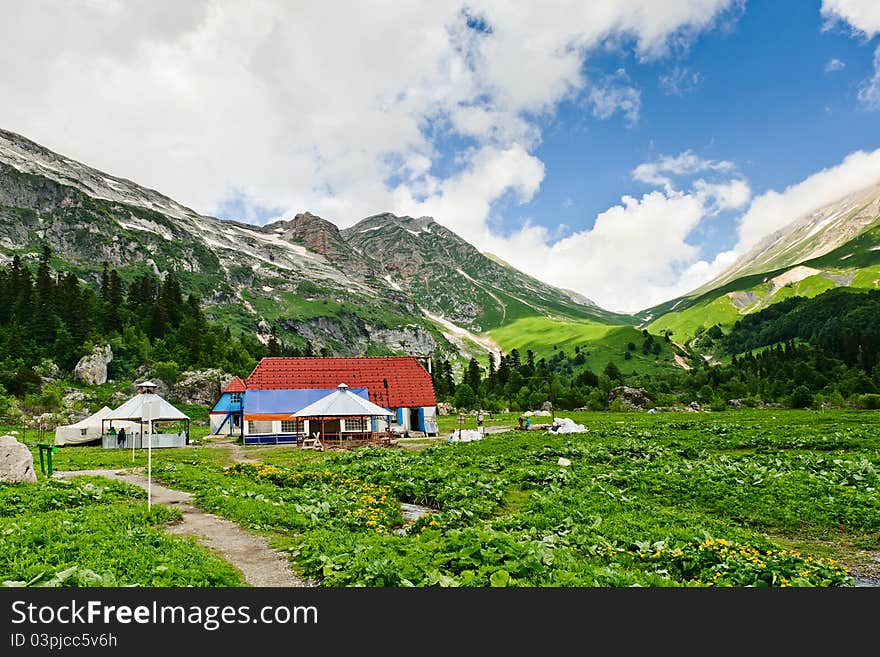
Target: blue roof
<point>258,402</point>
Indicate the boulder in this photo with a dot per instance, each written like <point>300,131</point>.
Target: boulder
<point>445,409</point>
<point>200,387</point>
<point>631,397</point>
<point>16,462</point>
<point>92,368</point>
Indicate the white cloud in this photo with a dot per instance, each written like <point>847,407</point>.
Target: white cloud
<point>680,81</point>
<point>718,197</point>
<point>833,65</point>
<point>683,164</point>
<point>869,90</point>
<point>612,95</point>
<point>275,107</point>
<point>862,15</point>
<point>637,253</point>
<point>774,210</point>
<point>633,257</point>
<point>301,106</point>
<point>864,18</point>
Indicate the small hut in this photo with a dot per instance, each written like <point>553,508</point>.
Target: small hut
<point>154,416</point>
<point>345,419</point>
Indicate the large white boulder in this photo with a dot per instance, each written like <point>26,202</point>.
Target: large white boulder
<point>92,369</point>
<point>16,462</point>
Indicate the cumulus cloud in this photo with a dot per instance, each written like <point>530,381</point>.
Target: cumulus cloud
<point>638,253</point>
<point>683,164</point>
<point>863,16</point>
<point>634,256</point>
<point>613,94</point>
<point>774,210</point>
<point>298,106</point>
<point>268,108</point>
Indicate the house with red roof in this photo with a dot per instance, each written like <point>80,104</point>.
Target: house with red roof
<point>260,408</point>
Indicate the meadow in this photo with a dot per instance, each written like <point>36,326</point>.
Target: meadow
<point>736,498</point>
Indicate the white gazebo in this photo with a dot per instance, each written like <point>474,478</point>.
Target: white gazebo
<point>345,418</point>
<point>153,416</point>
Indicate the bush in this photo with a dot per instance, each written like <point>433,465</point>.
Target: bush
<point>870,401</point>
<point>167,371</point>
<point>718,404</point>
<point>801,397</point>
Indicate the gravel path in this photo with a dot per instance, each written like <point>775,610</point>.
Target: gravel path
<point>259,564</point>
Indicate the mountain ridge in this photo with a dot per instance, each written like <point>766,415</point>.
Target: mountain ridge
<point>362,289</point>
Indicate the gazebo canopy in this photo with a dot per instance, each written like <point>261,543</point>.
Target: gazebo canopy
<point>133,409</point>
<point>342,403</point>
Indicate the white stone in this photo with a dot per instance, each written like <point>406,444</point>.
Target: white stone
<point>16,462</point>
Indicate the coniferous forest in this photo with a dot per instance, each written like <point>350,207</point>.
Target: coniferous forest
<point>800,352</point>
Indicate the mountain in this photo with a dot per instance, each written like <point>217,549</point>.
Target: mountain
<point>836,245</point>
<point>385,285</point>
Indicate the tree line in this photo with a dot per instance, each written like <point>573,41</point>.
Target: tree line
<point>800,352</point>
<point>50,319</point>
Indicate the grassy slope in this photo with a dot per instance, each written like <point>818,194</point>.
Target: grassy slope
<point>601,343</point>
<point>858,257</point>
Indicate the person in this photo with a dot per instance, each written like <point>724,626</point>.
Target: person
<point>528,422</point>
<point>520,420</point>
<point>120,437</point>
<point>480,421</point>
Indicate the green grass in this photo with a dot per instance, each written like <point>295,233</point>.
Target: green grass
<point>751,497</point>
<point>89,531</point>
<point>685,323</point>
<point>600,343</point>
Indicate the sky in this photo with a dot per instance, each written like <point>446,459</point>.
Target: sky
<point>628,150</point>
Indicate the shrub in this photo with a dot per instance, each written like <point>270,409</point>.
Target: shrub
<point>869,400</point>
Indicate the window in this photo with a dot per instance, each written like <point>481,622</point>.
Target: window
<point>235,397</point>
<point>292,426</point>
<point>355,424</point>
<point>258,426</point>
<point>83,432</point>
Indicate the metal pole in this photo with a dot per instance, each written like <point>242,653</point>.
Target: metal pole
<point>148,412</point>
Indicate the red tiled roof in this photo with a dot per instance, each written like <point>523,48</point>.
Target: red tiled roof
<point>236,385</point>
<point>408,383</point>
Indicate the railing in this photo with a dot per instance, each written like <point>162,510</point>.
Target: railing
<point>345,439</point>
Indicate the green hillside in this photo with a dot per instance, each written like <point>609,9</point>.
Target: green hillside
<point>598,343</point>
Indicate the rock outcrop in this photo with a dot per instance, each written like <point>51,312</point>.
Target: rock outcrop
<point>16,462</point>
<point>92,368</point>
<point>200,387</point>
<point>631,397</point>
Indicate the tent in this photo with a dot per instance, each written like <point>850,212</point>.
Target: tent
<point>333,409</point>
<point>136,410</point>
<point>89,429</point>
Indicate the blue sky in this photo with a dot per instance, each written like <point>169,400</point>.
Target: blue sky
<point>629,150</point>
<point>762,99</point>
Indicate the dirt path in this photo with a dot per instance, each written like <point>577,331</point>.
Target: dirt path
<point>259,564</point>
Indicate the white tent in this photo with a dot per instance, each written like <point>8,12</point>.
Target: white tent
<point>161,411</point>
<point>88,429</point>
<point>342,403</point>
<point>331,413</point>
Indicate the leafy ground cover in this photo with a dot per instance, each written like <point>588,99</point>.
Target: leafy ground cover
<point>90,531</point>
<point>760,498</point>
